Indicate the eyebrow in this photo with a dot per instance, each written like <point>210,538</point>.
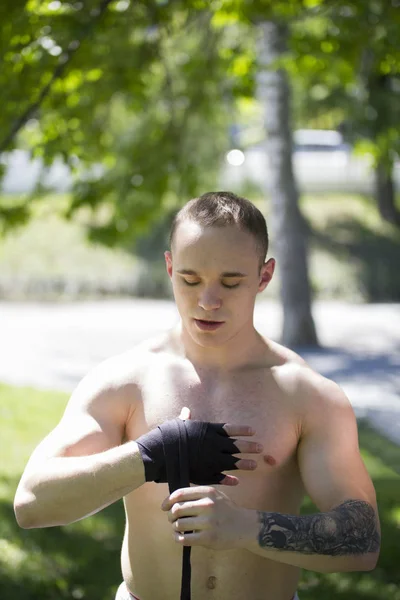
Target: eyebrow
<point>224,275</point>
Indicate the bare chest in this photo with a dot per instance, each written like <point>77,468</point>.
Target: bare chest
<point>251,398</point>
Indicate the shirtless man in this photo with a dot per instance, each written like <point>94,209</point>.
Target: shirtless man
<point>248,540</point>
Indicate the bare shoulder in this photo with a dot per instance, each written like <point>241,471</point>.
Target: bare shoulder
<point>313,393</point>
<point>100,407</point>
<point>121,375</point>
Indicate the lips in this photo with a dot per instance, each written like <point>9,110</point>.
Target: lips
<point>207,325</point>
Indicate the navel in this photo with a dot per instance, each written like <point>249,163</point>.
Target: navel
<point>212,582</point>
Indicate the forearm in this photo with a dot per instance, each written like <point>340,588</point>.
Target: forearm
<point>66,489</point>
<point>344,539</point>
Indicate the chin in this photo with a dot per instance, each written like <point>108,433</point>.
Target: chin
<point>208,340</point>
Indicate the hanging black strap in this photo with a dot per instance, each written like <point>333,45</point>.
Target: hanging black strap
<point>178,477</point>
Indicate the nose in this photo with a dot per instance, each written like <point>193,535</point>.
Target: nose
<point>209,299</point>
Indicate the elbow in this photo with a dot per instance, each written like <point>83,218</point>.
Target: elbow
<point>363,562</point>
<point>28,518</point>
<point>369,561</point>
<point>348,563</point>
<point>27,513</point>
<point>25,507</point>
<point>24,515</point>
<point>24,523</point>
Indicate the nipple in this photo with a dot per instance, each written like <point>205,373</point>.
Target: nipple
<point>270,460</point>
<point>212,582</point>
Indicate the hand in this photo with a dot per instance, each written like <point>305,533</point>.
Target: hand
<point>211,450</point>
<point>249,447</point>
<point>204,516</point>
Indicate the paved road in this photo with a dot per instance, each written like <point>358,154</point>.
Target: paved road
<point>54,345</point>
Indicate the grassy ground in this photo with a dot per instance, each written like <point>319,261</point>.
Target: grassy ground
<point>81,561</point>
<point>353,255</point>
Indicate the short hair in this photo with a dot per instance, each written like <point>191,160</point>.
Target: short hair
<point>219,209</point>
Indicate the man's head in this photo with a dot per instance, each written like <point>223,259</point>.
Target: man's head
<point>216,263</point>
<point>218,209</point>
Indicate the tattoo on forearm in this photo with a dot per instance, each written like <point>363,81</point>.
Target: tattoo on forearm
<point>348,529</point>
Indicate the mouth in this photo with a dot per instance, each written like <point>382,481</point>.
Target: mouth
<point>207,325</point>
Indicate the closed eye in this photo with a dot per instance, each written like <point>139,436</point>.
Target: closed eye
<point>191,283</point>
<point>229,287</point>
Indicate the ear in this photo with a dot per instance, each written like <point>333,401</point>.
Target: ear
<point>267,271</point>
<point>168,262</point>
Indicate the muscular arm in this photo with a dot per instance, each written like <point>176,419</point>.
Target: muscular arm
<point>345,538</point>
<point>82,465</point>
<point>66,489</point>
<point>345,535</point>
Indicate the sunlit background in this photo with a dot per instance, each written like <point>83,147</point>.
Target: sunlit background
<point>113,115</point>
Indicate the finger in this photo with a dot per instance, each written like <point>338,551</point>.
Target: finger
<point>229,480</point>
<point>189,524</point>
<point>249,447</point>
<point>184,494</point>
<point>185,413</point>
<point>187,509</point>
<point>245,464</point>
<point>189,539</point>
<point>234,430</point>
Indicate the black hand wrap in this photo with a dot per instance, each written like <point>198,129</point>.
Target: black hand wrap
<point>210,450</point>
<point>179,452</point>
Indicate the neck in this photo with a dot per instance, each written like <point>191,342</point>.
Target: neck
<point>245,347</point>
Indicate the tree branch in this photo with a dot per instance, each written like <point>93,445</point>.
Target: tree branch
<point>65,59</point>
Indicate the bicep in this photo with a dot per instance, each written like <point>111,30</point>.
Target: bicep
<point>81,434</point>
<point>93,421</point>
<point>330,463</point>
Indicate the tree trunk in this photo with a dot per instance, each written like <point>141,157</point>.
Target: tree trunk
<point>385,194</point>
<point>288,225</point>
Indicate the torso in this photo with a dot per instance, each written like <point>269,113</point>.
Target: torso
<point>259,395</point>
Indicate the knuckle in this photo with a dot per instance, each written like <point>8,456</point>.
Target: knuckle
<point>177,495</point>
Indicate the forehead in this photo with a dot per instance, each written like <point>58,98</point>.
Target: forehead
<point>227,245</point>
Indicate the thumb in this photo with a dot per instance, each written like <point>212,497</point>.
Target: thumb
<point>185,413</point>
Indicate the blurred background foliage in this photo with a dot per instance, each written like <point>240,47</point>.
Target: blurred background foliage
<point>139,99</point>
<point>142,100</point>
<point>354,255</point>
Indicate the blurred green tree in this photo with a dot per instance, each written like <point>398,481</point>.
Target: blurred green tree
<point>133,96</point>
<point>345,67</point>
<point>137,99</point>
<point>269,24</point>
